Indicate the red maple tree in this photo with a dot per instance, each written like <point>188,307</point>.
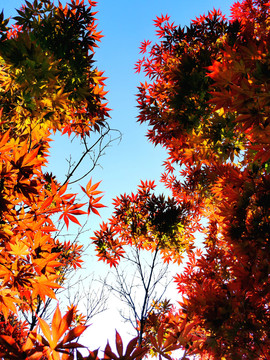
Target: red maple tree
<point>207,103</point>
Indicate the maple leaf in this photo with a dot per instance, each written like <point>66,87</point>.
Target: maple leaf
<point>51,339</point>
<point>69,210</point>
<point>19,249</point>
<point>144,45</point>
<point>91,191</point>
<point>43,286</point>
<point>47,263</point>
<point>133,351</point>
<point>8,301</point>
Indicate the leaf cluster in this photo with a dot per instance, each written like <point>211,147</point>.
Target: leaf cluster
<point>146,221</point>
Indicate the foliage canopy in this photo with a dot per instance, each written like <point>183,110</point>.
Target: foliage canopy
<point>207,102</point>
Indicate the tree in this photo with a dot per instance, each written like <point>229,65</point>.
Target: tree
<point>48,84</point>
<point>151,223</point>
<point>207,103</point>
<point>140,284</point>
<point>146,222</point>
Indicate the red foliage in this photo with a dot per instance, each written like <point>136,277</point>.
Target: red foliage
<point>207,104</point>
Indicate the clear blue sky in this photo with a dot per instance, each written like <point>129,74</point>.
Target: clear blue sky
<point>124,25</point>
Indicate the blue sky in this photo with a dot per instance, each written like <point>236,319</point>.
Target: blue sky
<point>124,25</point>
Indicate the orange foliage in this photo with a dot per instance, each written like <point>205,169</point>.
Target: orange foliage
<point>48,84</point>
